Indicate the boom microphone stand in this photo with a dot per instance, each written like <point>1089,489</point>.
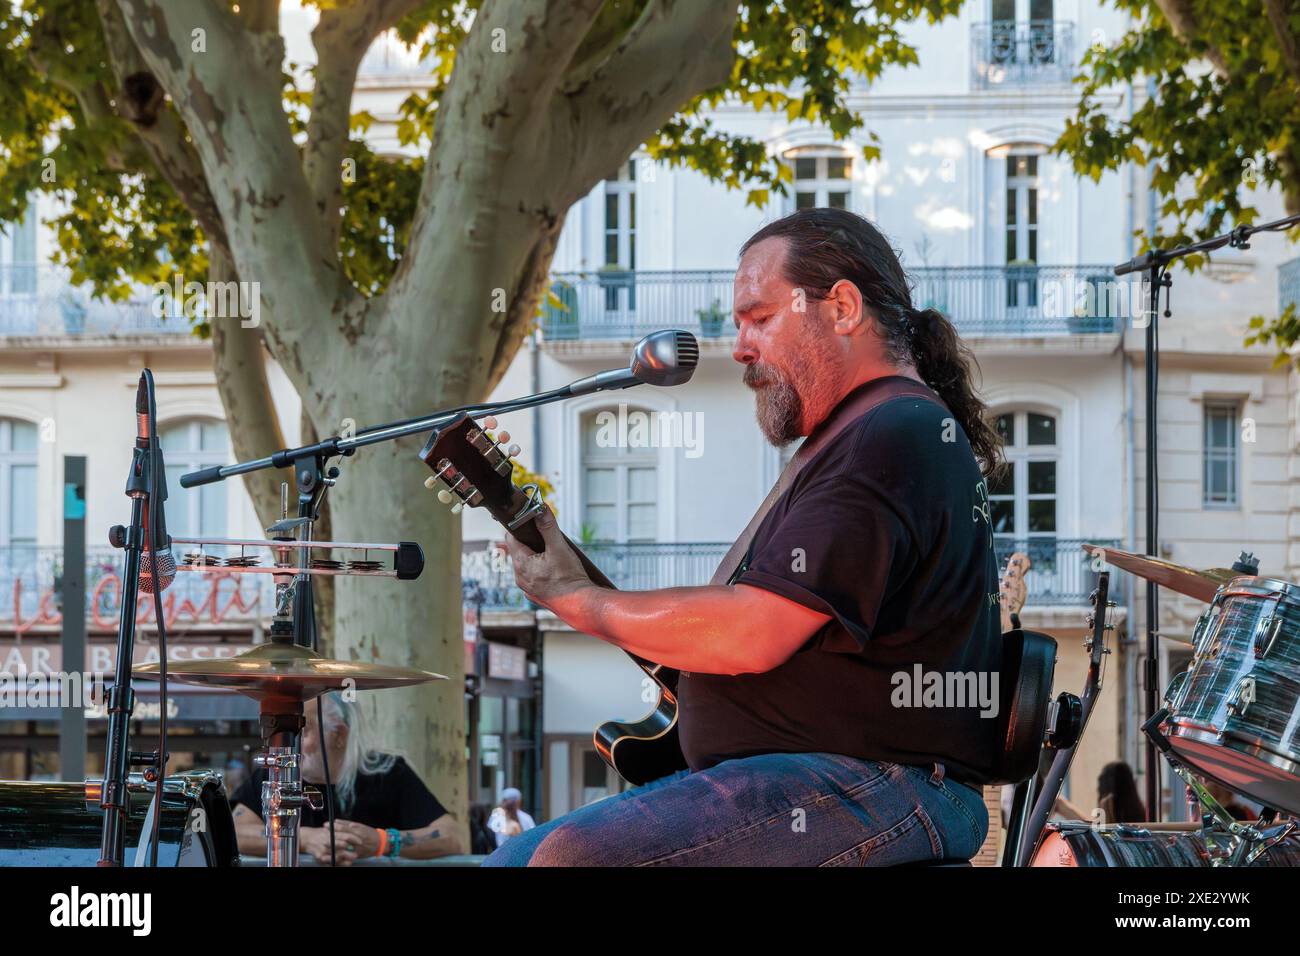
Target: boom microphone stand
<point>1156,265</point>
<point>145,488</point>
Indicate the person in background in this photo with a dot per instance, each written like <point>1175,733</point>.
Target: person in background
<point>508,820</point>
<point>381,807</point>
<point>1117,794</point>
<point>481,839</point>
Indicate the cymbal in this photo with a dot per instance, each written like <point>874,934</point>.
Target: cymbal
<point>1202,585</point>
<point>286,671</point>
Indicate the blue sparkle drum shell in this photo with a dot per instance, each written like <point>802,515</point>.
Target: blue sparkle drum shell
<point>1234,714</point>
<point>1070,844</point>
<point>59,824</point>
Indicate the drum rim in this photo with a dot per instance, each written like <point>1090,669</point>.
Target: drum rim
<point>1248,586</point>
<point>1188,730</point>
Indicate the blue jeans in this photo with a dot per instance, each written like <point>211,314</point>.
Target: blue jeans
<point>769,810</point>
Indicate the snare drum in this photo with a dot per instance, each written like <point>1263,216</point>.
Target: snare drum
<point>59,824</point>
<point>1131,845</point>
<point>1234,714</point>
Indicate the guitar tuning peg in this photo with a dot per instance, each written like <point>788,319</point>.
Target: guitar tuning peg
<point>490,422</point>
<point>512,451</point>
<point>458,507</point>
<point>430,482</point>
<point>503,438</point>
<point>445,496</point>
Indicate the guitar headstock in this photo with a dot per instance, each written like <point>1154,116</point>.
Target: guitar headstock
<point>473,466</point>
<point>1012,589</point>
<point>1099,618</point>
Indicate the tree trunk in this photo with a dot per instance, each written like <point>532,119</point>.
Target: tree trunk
<point>322,587</point>
<point>239,363</point>
<point>380,496</point>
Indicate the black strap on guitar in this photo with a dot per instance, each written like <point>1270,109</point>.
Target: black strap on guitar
<point>868,396</point>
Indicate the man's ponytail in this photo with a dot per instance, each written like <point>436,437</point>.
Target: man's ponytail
<point>947,366</point>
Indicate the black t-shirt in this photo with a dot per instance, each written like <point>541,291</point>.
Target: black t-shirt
<point>396,798</point>
<point>887,530</point>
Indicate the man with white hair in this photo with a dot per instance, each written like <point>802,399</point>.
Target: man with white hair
<point>381,806</point>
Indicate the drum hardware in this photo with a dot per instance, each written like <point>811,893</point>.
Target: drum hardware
<point>1027,829</point>
<point>1235,843</point>
<point>1269,629</point>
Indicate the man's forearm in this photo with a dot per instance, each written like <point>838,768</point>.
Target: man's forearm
<point>697,629</point>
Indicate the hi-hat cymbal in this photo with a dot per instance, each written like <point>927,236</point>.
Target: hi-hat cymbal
<point>286,671</point>
<point>1202,585</point>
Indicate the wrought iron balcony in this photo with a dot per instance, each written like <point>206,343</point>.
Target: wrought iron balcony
<point>983,301</point>
<point>1016,55</point>
<point>1061,572</point>
<point>36,299</point>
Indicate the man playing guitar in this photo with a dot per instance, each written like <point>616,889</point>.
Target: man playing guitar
<point>828,704</point>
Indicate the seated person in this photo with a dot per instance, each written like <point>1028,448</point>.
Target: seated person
<point>381,808</point>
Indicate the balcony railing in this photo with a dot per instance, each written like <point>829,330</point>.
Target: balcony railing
<point>983,301</point>
<point>1061,572</point>
<point>37,299</point>
<point>1018,55</point>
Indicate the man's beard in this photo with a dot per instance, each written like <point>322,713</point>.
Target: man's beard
<point>778,403</point>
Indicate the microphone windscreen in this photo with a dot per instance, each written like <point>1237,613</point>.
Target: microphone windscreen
<point>166,571</point>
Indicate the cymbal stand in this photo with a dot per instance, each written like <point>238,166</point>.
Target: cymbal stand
<point>282,718</point>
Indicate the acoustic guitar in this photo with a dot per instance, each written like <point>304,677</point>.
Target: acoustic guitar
<point>476,470</point>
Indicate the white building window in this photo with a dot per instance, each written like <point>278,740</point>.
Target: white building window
<point>1022,206</point>
<point>822,179</point>
<point>17,483</point>
<point>620,218</point>
<point>619,478</point>
<point>1022,31</point>
<point>1219,456</point>
<point>18,256</point>
<point>1022,501</point>
<point>188,446</point>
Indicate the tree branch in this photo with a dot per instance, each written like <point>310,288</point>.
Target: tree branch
<point>644,81</point>
<point>1279,16</point>
<point>239,363</point>
<point>1182,18</point>
<point>140,101</point>
<point>226,84</point>
<point>341,37</point>
<point>492,119</point>
<point>260,16</point>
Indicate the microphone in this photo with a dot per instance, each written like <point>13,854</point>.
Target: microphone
<point>157,563</point>
<point>664,358</point>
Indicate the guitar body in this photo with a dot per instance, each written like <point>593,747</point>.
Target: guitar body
<point>478,473</point>
<point>646,749</point>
